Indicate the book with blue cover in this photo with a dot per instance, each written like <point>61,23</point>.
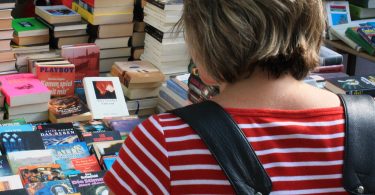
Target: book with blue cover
<point>89,183</point>
<point>21,141</point>
<point>177,89</point>
<point>57,187</point>
<point>4,167</point>
<point>16,128</point>
<point>63,155</point>
<point>57,134</point>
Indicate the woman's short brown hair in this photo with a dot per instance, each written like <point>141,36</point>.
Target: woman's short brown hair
<point>231,38</point>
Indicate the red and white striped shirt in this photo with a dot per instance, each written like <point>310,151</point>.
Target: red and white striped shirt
<point>302,152</point>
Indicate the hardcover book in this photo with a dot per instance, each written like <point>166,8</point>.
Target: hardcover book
<point>63,154</point>
<point>23,89</point>
<point>21,141</point>
<point>91,137</point>
<point>58,78</point>
<point>12,182</point>
<point>68,109</point>
<point>85,57</point>
<point>86,164</point>
<point>57,14</point>
<point>105,97</point>
<point>4,167</point>
<point>27,27</point>
<point>40,173</point>
<point>50,187</point>
<point>353,85</point>
<point>30,157</point>
<point>57,134</point>
<point>89,183</point>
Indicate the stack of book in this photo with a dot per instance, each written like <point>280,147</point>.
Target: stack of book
<point>175,94</point>
<point>111,27</point>
<point>141,81</point>
<point>329,61</point>
<point>138,39</point>
<point>7,58</point>
<point>163,48</point>
<point>364,36</point>
<point>26,97</point>
<point>65,25</point>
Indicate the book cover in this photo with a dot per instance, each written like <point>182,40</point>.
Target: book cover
<point>89,183</point>
<point>25,27</point>
<point>12,182</point>
<point>4,167</point>
<point>70,108</point>
<point>352,33</point>
<point>86,164</point>
<point>30,157</point>
<point>105,97</point>
<point>338,12</point>
<point>40,173</point>
<point>108,161</point>
<point>353,85</point>
<point>63,154</point>
<point>21,141</point>
<point>124,127</point>
<point>368,34</point>
<point>58,78</point>
<point>57,14</point>
<point>21,191</point>
<point>23,89</point>
<point>16,128</point>
<point>90,137</point>
<point>57,134</point>
<point>107,148</point>
<point>85,57</point>
<point>90,126</point>
<point>57,187</point>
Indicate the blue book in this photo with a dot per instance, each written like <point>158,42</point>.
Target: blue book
<point>108,162</point>
<point>63,154</point>
<point>50,187</point>
<point>16,128</point>
<point>177,89</point>
<point>57,134</point>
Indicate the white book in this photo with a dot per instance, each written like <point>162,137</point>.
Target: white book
<point>337,12</point>
<point>28,109</point>
<point>105,97</point>
<point>12,182</point>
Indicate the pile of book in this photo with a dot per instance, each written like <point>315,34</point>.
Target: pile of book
<point>175,94</point>
<point>111,27</point>
<point>66,157</point>
<point>7,58</point>
<point>163,48</point>
<point>140,82</point>
<point>329,61</point>
<point>66,26</point>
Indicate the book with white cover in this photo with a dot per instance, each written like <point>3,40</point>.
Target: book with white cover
<point>105,97</point>
<point>12,182</point>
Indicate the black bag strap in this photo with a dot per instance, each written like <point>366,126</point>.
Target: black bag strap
<point>228,145</point>
<point>359,154</point>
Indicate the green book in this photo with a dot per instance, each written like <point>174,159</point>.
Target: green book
<point>364,3</point>
<point>352,34</point>
<point>358,13</point>
<point>28,27</point>
<point>12,122</point>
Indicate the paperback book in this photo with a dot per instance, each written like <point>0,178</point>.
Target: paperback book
<point>90,126</point>
<point>40,173</point>
<point>12,182</point>
<point>68,109</point>
<point>57,14</point>
<point>354,85</point>
<point>30,157</point>
<point>50,187</point>
<point>4,167</point>
<point>57,134</point>
<point>89,183</point>
<point>86,164</point>
<point>91,137</point>
<point>21,141</point>
<point>27,27</point>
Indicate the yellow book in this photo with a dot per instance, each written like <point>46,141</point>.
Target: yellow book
<point>103,18</point>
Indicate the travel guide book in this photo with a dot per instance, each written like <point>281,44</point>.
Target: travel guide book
<point>23,89</point>
<point>105,97</point>
<point>57,134</point>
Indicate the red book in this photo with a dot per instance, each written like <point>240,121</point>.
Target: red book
<point>329,69</point>
<point>85,57</point>
<point>86,165</point>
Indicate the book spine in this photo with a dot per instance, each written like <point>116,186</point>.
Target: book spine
<point>157,3</point>
<point>84,13</point>
<point>169,99</point>
<point>331,60</point>
<point>176,89</point>
<point>85,5</point>
<point>329,69</point>
<point>154,32</point>
<point>354,36</point>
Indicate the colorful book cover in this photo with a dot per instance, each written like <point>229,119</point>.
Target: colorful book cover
<point>16,87</point>
<point>59,10</point>
<point>16,128</point>
<point>90,137</point>
<point>108,161</point>
<point>105,97</point>
<point>124,126</point>
<point>58,78</point>
<point>90,126</point>
<point>57,187</point>
<point>107,148</point>
<point>368,34</point>
<point>40,173</point>
<point>4,167</point>
<point>354,85</point>
<point>86,164</point>
<point>352,33</point>
<point>21,141</point>
<point>63,154</point>
<point>85,57</point>
<point>57,134</point>
<point>69,106</point>
<point>12,122</point>
<point>28,24</point>
<point>30,157</point>
<point>89,183</point>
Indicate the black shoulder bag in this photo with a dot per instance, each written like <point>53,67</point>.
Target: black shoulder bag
<point>246,174</point>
